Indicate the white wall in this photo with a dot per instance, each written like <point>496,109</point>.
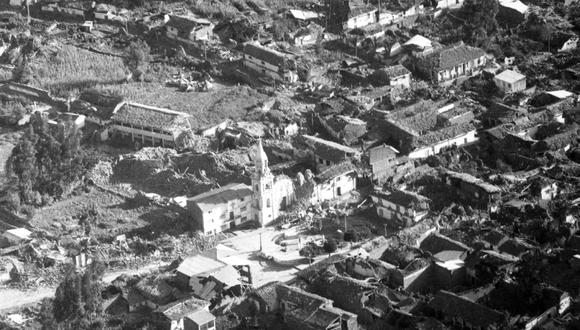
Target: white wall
<point>361,20</point>
<point>214,220</point>
<point>460,140</point>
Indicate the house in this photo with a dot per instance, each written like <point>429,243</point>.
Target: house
<point>195,265</point>
<point>147,125</point>
<point>268,62</point>
<point>304,310</point>
<point>474,191</point>
<point>188,29</point>
<point>453,309</point>
<point>344,129</point>
<point>385,164</point>
<point>308,36</point>
<point>199,320</point>
<point>447,64</point>
<point>425,128</point>
<point>451,4</point>
<point>328,153</point>
<point>335,182</point>
<point>401,207</point>
<point>221,209</point>
<point>510,81</point>
<point>360,16</point>
<point>419,45</point>
<point>115,305</point>
<point>75,8</point>
<point>155,291</point>
<point>569,43</point>
<point>395,76</point>
<point>17,235</point>
<point>512,12</point>
<point>172,316</point>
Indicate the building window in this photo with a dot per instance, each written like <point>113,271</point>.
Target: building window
<point>268,202</point>
<point>243,208</point>
<point>321,161</point>
<point>328,162</point>
<point>241,199</point>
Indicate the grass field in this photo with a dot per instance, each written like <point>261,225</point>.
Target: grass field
<point>69,69</point>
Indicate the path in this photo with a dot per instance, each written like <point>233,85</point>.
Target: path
<point>13,299</point>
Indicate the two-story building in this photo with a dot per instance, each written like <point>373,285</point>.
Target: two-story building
<point>335,182</point>
<point>401,207</point>
<point>188,29</point>
<point>474,191</point>
<point>395,76</point>
<point>268,62</point>
<point>221,209</point>
<point>147,125</point>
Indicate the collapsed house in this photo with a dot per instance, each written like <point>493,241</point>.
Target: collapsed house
<point>474,191</point>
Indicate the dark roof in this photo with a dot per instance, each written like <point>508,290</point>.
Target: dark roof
<point>297,296</point>
<point>265,54</point>
<point>445,133</point>
<point>436,243</point>
<point>515,247</point>
<point>494,238</point>
<point>148,116</point>
<point>186,24</point>
<point>468,178</point>
<point>268,293</point>
<point>475,314</point>
<point>396,71</point>
<point>335,171</point>
<point>404,198</point>
<point>134,297</point>
<point>449,57</point>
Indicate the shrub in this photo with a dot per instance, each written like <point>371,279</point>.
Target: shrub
<point>330,246</point>
<point>351,236</point>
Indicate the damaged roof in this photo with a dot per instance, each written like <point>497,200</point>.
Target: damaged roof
<point>456,306</point>
<point>407,199</point>
<point>265,54</point>
<point>329,150</point>
<point>186,24</point>
<point>396,71</point>
<point>178,309</point>
<point>468,178</point>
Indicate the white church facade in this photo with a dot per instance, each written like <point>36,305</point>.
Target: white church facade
<point>268,196</point>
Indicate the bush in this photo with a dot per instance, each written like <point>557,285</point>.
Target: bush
<point>330,246</point>
<point>351,236</point>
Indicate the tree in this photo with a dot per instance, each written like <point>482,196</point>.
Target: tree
<point>77,302</point>
<point>330,246</point>
<point>137,57</point>
<point>480,21</point>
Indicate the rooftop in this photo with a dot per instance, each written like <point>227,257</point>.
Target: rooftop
<point>474,314</point>
<point>186,24</point>
<point>452,56</point>
<point>515,5</point>
<point>396,71</point>
<point>510,76</point>
<point>201,317</point>
<point>148,116</point>
<point>419,41</point>
<point>405,198</point>
<point>198,264</point>
<point>178,309</point>
<point>217,197</point>
<point>329,150</point>
<point>335,171</point>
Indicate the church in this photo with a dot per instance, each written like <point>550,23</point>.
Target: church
<point>234,204</point>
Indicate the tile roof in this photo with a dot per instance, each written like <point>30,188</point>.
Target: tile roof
<point>475,314</point>
<point>199,264</point>
<point>134,297</point>
<point>265,54</point>
<point>510,76</point>
<point>436,243</point>
<point>217,197</point>
<point>148,116</point>
<point>360,10</point>
<point>445,133</point>
<point>297,296</point>
<point>452,56</point>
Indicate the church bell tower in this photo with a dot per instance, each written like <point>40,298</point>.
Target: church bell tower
<point>262,186</point>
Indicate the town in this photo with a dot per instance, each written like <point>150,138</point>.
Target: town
<point>289,164</point>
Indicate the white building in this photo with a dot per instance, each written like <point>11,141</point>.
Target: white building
<point>328,153</point>
<point>222,209</point>
<point>360,16</point>
<point>401,207</point>
<point>335,182</point>
<point>149,125</point>
<point>452,4</point>
<point>510,81</point>
<point>268,62</point>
